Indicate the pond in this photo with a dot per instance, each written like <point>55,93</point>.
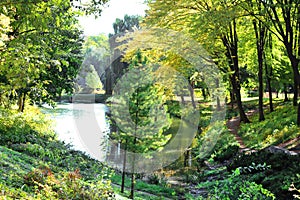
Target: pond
<point>84,126</point>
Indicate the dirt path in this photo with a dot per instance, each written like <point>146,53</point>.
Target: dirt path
<point>233,126</point>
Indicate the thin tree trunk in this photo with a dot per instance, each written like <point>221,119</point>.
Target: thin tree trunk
<point>268,78</point>
<point>232,98</point>
<point>295,98</point>
<point>185,159</point>
<point>260,43</point>
<point>134,143</point>
<point>191,90</point>
<point>124,168</point>
<point>286,98</point>
<point>203,93</point>
<point>218,98</point>
<point>242,113</point>
<point>132,174</point>
<point>21,102</point>
<point>295,62</point>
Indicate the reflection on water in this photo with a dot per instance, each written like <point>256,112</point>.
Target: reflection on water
<point>84,126</point>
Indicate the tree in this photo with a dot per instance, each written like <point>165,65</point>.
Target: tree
<point>284,16</point>
<point>260,30</point>
<point>129,23</point>
<point>209,22</point>
<point>141,128</point>
<point>96,60</point>
<point>41,50</point>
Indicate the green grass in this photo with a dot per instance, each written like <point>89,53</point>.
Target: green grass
<point>157,190</point>
<point>279,126</point>
<point>35,165</point>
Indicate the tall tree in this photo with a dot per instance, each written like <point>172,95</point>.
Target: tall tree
<point>43,37</point>
<point>142,122</point>
<point>284,16</point>
<point>211,23</point>
<point>260,30</point>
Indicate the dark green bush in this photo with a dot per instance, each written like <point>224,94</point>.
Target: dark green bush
<point>226,147</point>
<point>283,171</point>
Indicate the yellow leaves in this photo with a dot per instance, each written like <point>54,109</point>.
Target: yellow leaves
<point>4,28</point>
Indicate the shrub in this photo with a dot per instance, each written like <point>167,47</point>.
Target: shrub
<point>70,186</point>
<point>235,187</point>
<point>278,173</point>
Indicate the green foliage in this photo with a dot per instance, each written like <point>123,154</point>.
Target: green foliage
<point>35,165</point>
<point>31,126</point>
<point>278,127</point>
<point>277,173</point>
<point>96,59</point>
<point>42,52</point>
<point>129,23</point>
<point>226,147</point>
<point>216,145</point>
<point>235,187</point>
<point>69,186</point>
<point>144,125</point>
<point>156,189</point>
<point>92,79</point>
<point>254,168</point>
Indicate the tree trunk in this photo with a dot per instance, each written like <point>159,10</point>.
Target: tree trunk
<point>298,115</point>
<point>132,174</point>
<point>21,102</point>
<point>203,93</point>
<point>132,186</point>
<point>186,155</point>
<point>268,78</point>
<point>286,98</point>
<point>191,90</point>
<point>230,41</point>
<point>124,168</point>
<point>218,98</point>
<point>295,98</point>
<point>260,43</point>
<point>295,63</point>
<point>243,116</point>
<point>232,98</point>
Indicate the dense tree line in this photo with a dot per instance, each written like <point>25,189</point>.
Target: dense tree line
<point>40,49</point>
<point>255,43</point>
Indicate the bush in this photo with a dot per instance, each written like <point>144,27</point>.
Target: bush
<point>235,187</point>
<point>157,179</point>
<point>27,142</point>
<point>277,174</point>
<point>70,186</point>
<point>226,146</point>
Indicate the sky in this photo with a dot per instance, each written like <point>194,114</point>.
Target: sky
<point>115,9</point>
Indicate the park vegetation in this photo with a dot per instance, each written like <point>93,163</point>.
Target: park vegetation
<point>248,55</point>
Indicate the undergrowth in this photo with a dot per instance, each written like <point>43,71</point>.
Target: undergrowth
<point>35,165</point>
<point>278,127</point>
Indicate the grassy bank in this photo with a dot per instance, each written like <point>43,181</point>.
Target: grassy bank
<point>260,175</point>
<point>35,165</point>
<point>278,127</point>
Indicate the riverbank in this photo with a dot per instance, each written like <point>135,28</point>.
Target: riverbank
<point>36,165</point>
<point>84,98</point>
